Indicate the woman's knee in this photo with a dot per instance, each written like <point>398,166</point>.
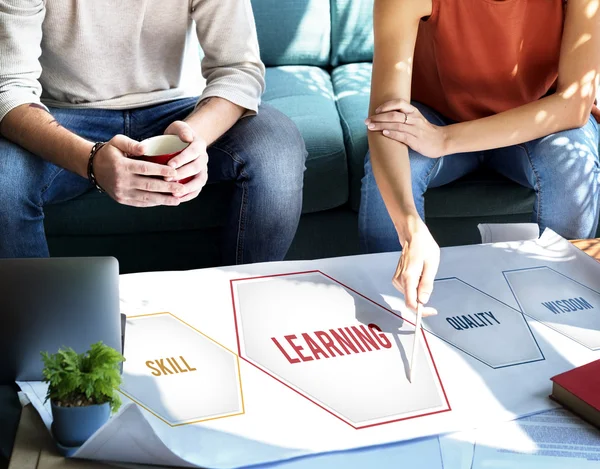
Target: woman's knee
<point>567,169</point>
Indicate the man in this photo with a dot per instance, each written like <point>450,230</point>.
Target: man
<point>75,75</point>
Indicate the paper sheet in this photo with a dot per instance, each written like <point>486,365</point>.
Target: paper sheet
<point>35,393</point>
<point>288,391</point>
<point>550,440</point>
<point>505,232</point>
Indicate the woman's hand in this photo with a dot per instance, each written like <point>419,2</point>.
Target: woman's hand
<point>401,121</point>
<point>418,267</point>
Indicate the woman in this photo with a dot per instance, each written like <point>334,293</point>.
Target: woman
<point>506,83</point>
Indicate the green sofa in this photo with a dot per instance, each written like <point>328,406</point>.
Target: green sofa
<point>318,55</point>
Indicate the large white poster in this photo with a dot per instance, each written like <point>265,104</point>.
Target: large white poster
<point>257,364</point>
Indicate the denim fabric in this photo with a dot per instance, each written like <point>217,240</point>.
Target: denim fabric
<point>263,155</point>
<point>562,168</point>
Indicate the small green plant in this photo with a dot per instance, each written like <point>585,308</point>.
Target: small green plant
<point>77,380</point>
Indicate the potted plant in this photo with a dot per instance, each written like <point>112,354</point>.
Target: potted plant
<point>82,391</point>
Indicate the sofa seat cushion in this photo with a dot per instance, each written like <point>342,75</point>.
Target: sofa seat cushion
<point>95,214</point>
<point>352,86</point>
<point>303,93</point>
<point>484,193</point>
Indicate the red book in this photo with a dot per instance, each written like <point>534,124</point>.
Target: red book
<point>579,391</point>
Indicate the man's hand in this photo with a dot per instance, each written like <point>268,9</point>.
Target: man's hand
<point>133,182</point>
<point>417,268</point>
<point>401,121</point>
<point>191,162</point>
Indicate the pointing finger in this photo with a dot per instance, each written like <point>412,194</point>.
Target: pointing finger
<point>427,280</point>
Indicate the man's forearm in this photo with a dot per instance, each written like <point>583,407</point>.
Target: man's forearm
<point>34,129</point>
<point>213,117</point>
<point>519,125</point>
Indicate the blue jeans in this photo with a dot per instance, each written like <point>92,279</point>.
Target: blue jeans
<point>263,155</point>
<point>562,168</point>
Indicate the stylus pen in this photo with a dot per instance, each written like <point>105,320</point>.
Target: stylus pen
<point>416,341</point>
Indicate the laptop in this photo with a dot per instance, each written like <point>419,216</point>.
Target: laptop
<point>48,303</point>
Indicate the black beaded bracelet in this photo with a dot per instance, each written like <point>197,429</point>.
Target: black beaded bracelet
<point>90,168</point>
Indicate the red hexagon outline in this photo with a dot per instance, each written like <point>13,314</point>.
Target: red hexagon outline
<point>306,396</point>
<point>239,375</point>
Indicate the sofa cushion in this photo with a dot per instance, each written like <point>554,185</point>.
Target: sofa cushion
<point>293,32</point>
<point>95,214</point>
<point>484,193</point>
<point>352,86</point>
<point>351,31</point>
<point>303,93</point>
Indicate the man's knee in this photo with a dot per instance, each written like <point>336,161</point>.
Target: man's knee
<point>279,133</point>
<point>275,146</point>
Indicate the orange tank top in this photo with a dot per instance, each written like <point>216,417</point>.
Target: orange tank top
<point>476,58</point>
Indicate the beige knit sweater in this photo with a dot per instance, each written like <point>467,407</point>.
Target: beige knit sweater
<point>120,54</point>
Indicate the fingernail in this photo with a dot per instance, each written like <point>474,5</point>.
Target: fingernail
<point>386,132</point>
<point>424,298</point>
<point>371,126</point>
<point>377,110</point>
<point>368,121</point>
<point>169,179</point>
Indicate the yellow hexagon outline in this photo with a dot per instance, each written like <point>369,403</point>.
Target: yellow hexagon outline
<point>237,360</point>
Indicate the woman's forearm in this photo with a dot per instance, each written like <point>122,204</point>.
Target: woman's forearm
<point>519,125</point>
<point>395,32</point>
<point>391,168</point>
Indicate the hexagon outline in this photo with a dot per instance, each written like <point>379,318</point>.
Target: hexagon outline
<point>535,319</point>
<point>237,362</point>
<point>306,396</point>
<point>503,304</point>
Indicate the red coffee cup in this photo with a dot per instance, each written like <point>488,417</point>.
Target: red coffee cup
<point>161,149</point>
